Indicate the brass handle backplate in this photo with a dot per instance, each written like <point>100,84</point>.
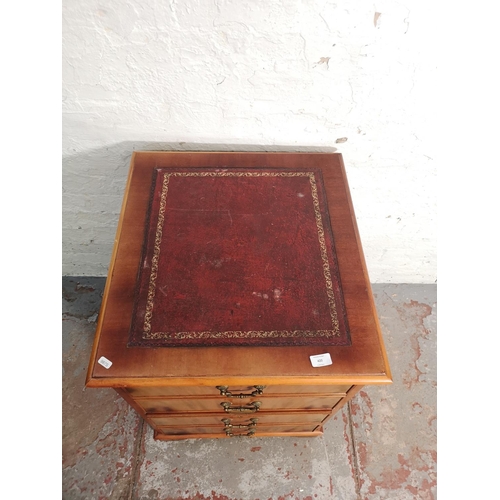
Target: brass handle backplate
<point>250,408</point>
<point>224,391</point>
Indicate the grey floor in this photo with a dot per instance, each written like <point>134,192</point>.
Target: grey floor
<point>381,446</point>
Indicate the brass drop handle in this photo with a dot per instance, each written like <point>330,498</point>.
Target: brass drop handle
<point>228,425</point>
<point>224,391</point>
<point>249,433</point>
<point>250,408</point>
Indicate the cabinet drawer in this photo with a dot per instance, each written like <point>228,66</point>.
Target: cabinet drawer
<point>265,417</point>
<point>235,390</point>
<point>166,405</point>
<point>219,430</point>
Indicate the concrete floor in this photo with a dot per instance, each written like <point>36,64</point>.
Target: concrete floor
<point>381,446</point>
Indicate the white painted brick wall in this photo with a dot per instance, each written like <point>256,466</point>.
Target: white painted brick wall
<point>285,75</point>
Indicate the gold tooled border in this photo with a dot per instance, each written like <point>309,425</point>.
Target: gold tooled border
<point>147,334</point>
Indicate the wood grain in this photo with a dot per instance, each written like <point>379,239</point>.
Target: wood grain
<point>364,361</point>
<point>174,389</point>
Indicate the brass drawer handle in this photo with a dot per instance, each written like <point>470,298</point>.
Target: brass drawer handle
<point>228,425</point>
<point>250,408</point>
<point>224,391</point>
<point>249,433</point>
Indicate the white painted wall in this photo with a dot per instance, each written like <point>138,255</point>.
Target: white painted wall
<point>285,75</point>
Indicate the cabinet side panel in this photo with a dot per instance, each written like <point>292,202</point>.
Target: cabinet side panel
<point>351,393</point>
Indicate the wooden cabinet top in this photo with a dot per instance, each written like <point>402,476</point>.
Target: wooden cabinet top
<point>130,332</point>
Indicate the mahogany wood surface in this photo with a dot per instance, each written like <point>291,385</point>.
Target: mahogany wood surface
<point>186,391</point>
<point>159,405</point>
<point>171,437</point>
<point>350,394</point>
<point>263,417</point>
<point>364,362</point>
<point>213,429</point>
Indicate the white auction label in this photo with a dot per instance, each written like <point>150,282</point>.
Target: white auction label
<point>104,362</point>
<point>321,359</point>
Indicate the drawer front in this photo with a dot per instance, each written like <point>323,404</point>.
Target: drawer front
<point>231,405</point>
<point>236,391</point>
<point>233,432</point>
<point>187,419</point>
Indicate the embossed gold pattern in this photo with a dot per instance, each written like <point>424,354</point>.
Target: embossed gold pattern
<point>324,255</point>
<point>147,334</point>
<point>156,256</point>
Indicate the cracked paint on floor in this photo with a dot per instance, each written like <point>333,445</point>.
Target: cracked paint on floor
<point>381,446</point>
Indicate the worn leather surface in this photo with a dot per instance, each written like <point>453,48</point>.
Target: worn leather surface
<point>238,257</point>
